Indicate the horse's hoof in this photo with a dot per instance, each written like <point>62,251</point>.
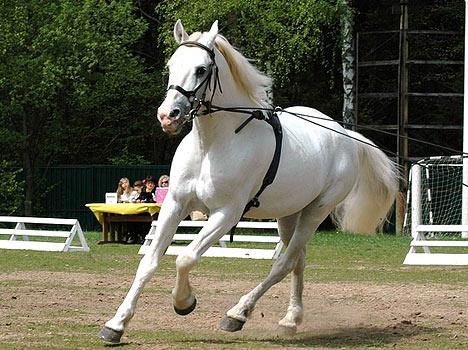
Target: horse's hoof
<point>188,310</point>
<point>109,335</point>
<point>230,324</point>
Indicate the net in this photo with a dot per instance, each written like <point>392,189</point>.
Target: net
<point>440,193</point>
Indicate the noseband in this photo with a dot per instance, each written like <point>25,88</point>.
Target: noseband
<point>196,103</point>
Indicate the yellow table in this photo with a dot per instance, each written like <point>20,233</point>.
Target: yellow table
<point>121,212</point>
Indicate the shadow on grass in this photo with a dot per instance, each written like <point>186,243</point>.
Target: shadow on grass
<point>106,345</point>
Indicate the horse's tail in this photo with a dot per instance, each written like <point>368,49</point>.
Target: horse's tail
<point>366,207</point>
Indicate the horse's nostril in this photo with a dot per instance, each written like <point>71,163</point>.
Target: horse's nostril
<point>174,113</point>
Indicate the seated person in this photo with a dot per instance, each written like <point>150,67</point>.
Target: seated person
<point>163,181</point>
<point>124,191</point>
<point>137,230</point>
<point>137,187</point>
<point>148,191</point>
<point>161,190</point>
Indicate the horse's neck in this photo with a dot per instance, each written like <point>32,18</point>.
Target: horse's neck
<point>220,126</point>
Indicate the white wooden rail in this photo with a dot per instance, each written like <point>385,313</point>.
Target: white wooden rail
<point>18,237</point>
<point>224,250</point>
<point>429,258</point>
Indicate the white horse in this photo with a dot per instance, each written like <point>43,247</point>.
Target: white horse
<point>323,168</point>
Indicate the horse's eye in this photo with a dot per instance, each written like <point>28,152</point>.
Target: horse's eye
<point>200,71</point>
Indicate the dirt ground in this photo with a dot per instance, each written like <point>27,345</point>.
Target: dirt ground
<point>351,314</point>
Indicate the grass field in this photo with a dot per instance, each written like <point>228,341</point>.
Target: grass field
<point>357,295</point>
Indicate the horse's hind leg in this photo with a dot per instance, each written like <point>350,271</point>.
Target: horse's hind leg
<point>293,318</point>
<point>308,221</point>
<point>288,324</point>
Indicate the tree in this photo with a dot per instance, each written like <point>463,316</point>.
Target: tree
<point>348,59</point>
<point>68,81</point>
<point>294,42</point>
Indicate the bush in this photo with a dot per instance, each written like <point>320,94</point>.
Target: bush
<point>12,194</point>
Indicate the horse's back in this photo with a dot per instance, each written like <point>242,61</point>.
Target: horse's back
<point>317,161</point>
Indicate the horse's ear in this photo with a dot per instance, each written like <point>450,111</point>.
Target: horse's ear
<point>212,33</point>
<point>180,34</point>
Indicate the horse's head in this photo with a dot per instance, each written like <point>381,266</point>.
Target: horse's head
<point>191,69</point>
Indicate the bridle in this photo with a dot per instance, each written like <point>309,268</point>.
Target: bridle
<point>197,103</point>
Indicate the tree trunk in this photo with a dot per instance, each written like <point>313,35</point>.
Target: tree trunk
<point>348,54</point>
<point>28,166</point>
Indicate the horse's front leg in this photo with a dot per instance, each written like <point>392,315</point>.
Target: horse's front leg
<point>168,221</point>
<point>217,225</point>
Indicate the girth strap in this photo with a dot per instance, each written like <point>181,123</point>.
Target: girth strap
<point>273,120</point>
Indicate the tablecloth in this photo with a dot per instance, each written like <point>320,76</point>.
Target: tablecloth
<point>99,209</point>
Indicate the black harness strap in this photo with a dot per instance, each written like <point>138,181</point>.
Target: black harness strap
<point>273,120</point>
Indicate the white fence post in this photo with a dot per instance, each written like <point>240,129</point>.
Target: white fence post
<point>465,131</point>
<point>416,202</point>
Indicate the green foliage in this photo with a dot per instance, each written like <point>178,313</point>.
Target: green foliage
<point>127,158</point>
<point>281,36</point>
<point>11,195</point>
<point>70,86</point>
<point>64,68</point>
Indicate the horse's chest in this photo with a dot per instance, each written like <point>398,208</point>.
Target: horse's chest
<point>224,177</point>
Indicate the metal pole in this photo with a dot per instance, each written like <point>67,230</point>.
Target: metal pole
<point>465,131</point>
<point>402,142</point>
<point>356,80</point>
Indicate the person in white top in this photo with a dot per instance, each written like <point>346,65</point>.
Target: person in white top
<point>137,186</point>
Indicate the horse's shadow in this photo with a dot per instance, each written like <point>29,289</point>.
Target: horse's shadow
<point>356,336</point>
<point>335,338</point>
<point>352,337</point>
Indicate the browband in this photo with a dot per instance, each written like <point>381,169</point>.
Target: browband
<point>201,46</point>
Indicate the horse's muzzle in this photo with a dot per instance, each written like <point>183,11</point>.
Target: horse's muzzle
<point>171,123</point>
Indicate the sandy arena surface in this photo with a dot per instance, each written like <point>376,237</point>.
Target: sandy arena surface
<point>351,311</point>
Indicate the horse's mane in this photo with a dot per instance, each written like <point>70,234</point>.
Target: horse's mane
<point>253,82</point>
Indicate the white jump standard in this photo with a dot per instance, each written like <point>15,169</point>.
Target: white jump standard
<point>18,237</point>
